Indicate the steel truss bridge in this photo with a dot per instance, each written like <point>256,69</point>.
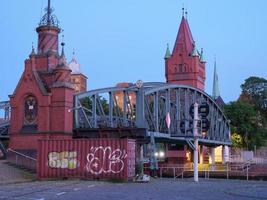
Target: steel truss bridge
<point>140,111</point>
<point>146,109</point>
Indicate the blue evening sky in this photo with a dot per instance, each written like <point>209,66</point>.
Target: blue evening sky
<point>125,40</point>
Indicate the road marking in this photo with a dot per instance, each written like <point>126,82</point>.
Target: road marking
<point>61,193</point>
<point>76,189</point>
<point>90,186</point>
<point>37,199</point>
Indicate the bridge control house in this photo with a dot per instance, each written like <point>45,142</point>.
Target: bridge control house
<point>53,114</point>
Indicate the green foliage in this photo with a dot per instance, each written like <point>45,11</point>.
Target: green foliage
<point>255,92</point>
<point>237,140</point>
<point>87,103</point>
<point>248,115</point>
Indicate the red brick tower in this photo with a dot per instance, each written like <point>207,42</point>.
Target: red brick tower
<point>185,65</point>
<point>44,94</point>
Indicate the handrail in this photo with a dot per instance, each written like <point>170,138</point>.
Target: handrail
<point>20,154</point>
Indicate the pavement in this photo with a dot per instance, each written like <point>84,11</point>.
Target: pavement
<point>10,174</point>
<point>157,189</point>
<point>16,184</point>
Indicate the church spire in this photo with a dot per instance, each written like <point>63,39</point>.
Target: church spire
<point>215,88</point>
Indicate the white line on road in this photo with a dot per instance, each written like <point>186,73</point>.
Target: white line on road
<point>61,193</point>
<point>76,189</point>
<point>37,199</point>
<point>90,186</point>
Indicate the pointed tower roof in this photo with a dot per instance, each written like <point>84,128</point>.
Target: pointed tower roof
<point>74,65</point>
<point>215,88</point>
<point>184,37</point>
<point>168,53</point>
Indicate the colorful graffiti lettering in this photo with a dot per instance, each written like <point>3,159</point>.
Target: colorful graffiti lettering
<point>104,160</point>
<point>63,160</point>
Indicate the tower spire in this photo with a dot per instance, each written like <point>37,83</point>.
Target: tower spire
<point>168,53</point>
<point>63,45</point>
<point>49,12</point>
<point>215,88</point>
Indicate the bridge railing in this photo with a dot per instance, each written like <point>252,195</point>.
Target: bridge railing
<point>21,160</point>
<point>223,170</point>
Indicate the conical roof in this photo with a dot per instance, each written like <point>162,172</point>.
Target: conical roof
<point>215,88</point>
<point>184,37</point>
<point>75,66</point>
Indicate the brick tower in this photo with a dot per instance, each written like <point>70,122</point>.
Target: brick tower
<point>44,94</point>
<point>185,65</point>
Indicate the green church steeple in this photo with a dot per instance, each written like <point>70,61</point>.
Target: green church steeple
<point>215,88</point>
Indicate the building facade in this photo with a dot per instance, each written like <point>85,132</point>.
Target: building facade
<point>44,93</point>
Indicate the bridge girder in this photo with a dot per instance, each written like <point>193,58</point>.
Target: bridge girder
<point>147,107</point>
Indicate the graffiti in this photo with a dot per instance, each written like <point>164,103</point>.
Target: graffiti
<point>63,160</point>
<point>104,160</point>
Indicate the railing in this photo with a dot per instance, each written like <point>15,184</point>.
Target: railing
<point>260,160</point>
<point>21,160</point>
<point>223,169</point>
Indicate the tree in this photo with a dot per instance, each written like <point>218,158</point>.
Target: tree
<point>246,123</point>
<point>254,91</point>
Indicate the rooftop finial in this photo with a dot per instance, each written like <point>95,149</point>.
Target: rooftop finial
<point>73,52</point>
<point>49,12</point>
<point>49,19</point>
<point>62,44</point>
<point>186,13</point>
<point>183,10</point>
<point>33,50</point>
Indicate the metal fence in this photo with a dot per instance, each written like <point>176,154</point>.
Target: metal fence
<point>21,160</point>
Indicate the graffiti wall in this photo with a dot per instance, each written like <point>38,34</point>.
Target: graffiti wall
<point>88,158</point>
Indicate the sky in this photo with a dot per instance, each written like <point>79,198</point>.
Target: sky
<point>125,40</point>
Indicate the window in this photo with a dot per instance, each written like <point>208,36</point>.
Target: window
<point>30,110</point>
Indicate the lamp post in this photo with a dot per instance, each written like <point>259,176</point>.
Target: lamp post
<point>195,132</point>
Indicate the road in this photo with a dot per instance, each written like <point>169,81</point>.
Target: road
<point>155,190</point>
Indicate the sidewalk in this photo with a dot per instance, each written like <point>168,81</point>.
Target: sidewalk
<point>10,174</point>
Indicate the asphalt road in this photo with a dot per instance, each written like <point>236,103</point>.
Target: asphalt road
<point>155,190</point>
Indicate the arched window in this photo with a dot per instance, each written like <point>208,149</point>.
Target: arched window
<point>30,110</point>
